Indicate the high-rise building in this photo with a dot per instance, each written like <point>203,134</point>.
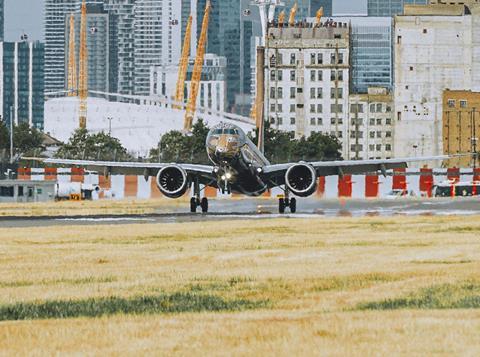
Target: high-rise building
<point>101,48</point>
<point>2,20</point>
<point>317,4</point>
<point>157,38</point>
<point>56,11</point>
<point>124,11</point>
<point>307,80</point>
<point>390,7</point>
<point>229,35</point>
<point>22,82</point>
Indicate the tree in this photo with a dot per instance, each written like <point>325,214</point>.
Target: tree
<point>26,140</point>
<point>175,146</point>
<point>100,146</point>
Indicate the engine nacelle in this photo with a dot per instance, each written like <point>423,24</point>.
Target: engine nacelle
<point>172,181</point>
<point>301,180</point>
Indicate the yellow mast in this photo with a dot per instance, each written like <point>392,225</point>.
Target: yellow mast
<point>293,12</point>
<point>281,17</point>
<point>197,71</point>
<point>83,70</point>
<point>183,67</point>
<point>72,61</point>
<point>319,16</point>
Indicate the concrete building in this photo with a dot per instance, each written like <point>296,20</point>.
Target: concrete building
<point>371,125</point>
<point>2,20</point>
<point>157,38</point>
<point>461,126</point>
<point>102,48</point>
<point>22,82</point>
<point>124,11</point>
<point>436,47</point>
<point>390,7</point>
<point>212,94</point>
<point>16,191</point>
<point>307,80</point>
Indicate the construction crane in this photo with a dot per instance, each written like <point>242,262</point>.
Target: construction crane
<point>183,67</point>
<point>281,18</point>
<point>293,12</point>
<point>72,61</point>
<point>319,16</point>
<point>197,71</point>
<point>83,70</point>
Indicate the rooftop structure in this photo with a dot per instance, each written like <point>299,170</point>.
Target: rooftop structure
<point>390,7</point>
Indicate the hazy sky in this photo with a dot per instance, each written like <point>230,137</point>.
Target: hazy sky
<point>27,16</point>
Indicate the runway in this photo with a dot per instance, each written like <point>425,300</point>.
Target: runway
<point>246,209</point>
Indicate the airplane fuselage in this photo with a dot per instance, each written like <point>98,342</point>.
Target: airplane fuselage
<point>238,163</point>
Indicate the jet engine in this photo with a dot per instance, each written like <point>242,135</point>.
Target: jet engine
<point>172,181</point>
<point>301,180</point>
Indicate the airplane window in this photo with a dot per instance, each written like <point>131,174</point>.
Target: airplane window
<point>217,131</point>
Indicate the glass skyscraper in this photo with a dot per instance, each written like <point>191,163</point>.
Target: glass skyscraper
<point>317,4</point>
<point>22,82</point>
<point>2,20</point>
<point>390,7</point>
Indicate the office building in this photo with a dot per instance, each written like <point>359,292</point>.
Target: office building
<point>124,11</point>
<point>101,48</point>
<point>22,82</point>
<point>371,125</point>
<point>2,20</point>
<point>390,7</point>
<point>212,93</point>
<point>303,8</point>
<point>317,4</point>
<point>157,38</point>
<point>307,80</point>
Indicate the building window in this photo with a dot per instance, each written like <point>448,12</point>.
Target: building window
<point>312,75</point>
<point>292,58</point>
<point>320,75</point>
<point>292,76</point>
<point>424,30</point>
<point>372,121</point>
<point>379,108</point>
<point>280,120</point>
<point>340,58</point>
<point>292,92</point>
<point>371,147</point>
<point>280,93</point>
<point>388,121</point>
<point>336,108</point>
<point>332,58</point>
<point>272,93</point>
<point>388,147</point>
<point>280,108</point>
<point>292,121</point>
<point>319,108</point>
<point>372,108</point>
<point>411,68</point>
<point>372,135</point>
<point>388,134</point>
<point>6,191</point>
<point>463,104</point>
<point>332,75</point>
<point>399,116</point>
<point>312,108</point>
<point>312,93</point>
<point>356,108</point>
<point>389,109</point>
<point>319,93</point>
<point>379,134</point>
<point>399,39</point>
<point>319,121</point>
<point>379,121</point>
<point>292,108</point>
<point>272,120</point>
<point>340,75</point>
<point>312,121</point>
<point>280,75</point>
<point>272,108</point>
<point>451,103</point>
<point>272,75</point>
<point>379,147</point>
<point>312,58</point>
<point>320,58</point>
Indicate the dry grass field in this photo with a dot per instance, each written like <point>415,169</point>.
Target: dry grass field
<point>369,286</point>
<point>71,208</point>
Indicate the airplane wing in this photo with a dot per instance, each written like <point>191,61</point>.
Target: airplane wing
<point>276,173</point>
<point>203,172</point>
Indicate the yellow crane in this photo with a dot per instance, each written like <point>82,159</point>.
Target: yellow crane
<point>293,12</point>
<point>197,71</point>
<point>72,61</point>
<point>281,18</point>
<point>83,70</point>
<point>319,16</point>
<point>183,67</point>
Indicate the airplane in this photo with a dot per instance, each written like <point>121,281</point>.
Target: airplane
<point>238,166</point>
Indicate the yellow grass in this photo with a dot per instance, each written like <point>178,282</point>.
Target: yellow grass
<point>314,274</point>
<point>72,208</point>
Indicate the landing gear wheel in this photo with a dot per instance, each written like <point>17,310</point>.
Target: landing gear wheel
<point>204,205</point>
<point>281,205</point>
<point>193,205</point>
<point>293,205</point>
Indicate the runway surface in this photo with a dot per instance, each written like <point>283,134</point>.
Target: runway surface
<point>266,209</point>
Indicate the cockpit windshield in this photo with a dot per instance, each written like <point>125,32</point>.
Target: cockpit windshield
<point>225,131</point>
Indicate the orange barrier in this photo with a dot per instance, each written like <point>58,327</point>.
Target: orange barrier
<point>24,173</point>
<point>131,186</point>
<point>50,174</point>
<point>345,186</point>
<point>321,186</point>
<point>426,181</point>
<point>399,179</point>
<point>453,174</point>
<point>77,174</point>
<point>371,186</point>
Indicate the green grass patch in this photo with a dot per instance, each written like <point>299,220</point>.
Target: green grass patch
<point>96,307</point>
<point>446,296</point>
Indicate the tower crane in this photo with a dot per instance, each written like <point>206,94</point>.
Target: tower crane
<point>183,67</point>
<point>83,70</point>
<point>72,61</point>
<point>319,16</point>
<point>197,71</point>
<point>293,12</point>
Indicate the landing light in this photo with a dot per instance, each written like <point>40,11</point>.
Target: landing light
<point>259,170</point>
<point>229,175</point>
<point>224,177</point>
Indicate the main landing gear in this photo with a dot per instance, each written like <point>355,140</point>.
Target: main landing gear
<point>285,202</point>
<point>195,201</point>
